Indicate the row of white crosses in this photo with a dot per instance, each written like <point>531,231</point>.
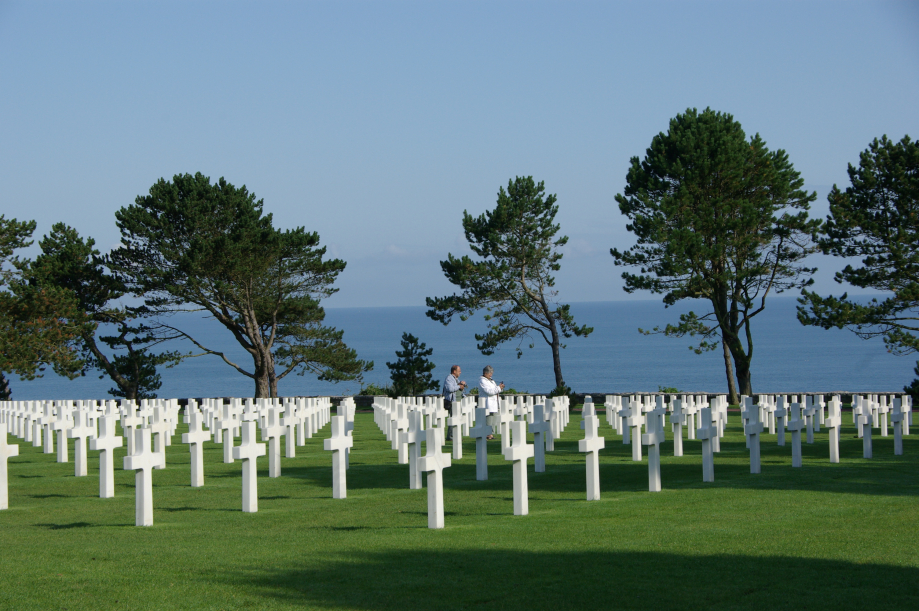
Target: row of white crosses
<point>403,421</point>
<point>149,428</point>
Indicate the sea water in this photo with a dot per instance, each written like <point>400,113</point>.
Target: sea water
<point>787,357</point>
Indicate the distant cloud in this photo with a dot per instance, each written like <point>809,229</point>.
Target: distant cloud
<point>395,251</point>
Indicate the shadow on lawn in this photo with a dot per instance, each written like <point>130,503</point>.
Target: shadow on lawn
<point>506,579</point>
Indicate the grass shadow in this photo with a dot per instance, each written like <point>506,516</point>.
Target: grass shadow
<point>401,579</point>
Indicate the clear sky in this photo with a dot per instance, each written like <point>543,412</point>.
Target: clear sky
<point>377,123</point>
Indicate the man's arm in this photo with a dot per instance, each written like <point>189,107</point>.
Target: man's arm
<point>450,384</point>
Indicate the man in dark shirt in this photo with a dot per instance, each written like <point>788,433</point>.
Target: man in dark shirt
<point>452,386</point>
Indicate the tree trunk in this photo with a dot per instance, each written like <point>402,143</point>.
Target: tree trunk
<point>266,382</point>
<point>129,389</point>
<point>556,356</point>
<point>729,371</point>
<point>743,376</point>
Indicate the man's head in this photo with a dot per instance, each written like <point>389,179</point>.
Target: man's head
<point>456,371</point>
<point>488,371</point>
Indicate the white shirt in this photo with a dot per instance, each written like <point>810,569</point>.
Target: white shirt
<point>489,389</point>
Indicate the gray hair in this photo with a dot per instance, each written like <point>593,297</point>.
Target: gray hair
<point>488,369</point>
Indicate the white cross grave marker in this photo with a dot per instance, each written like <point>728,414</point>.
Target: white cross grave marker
<point>866,421</point>
<point>272,432</point>
<point>653,438</point>
<point>833,422</point>
<point>677,419</point>
<point>896,418</point>
<point>195,438</point>
<point>480,431</point>
<point>62,425</point>
<point>518,452</point>
<point>635,420</point>
<point>795,424</point>
<point>105,444</point>
<point>338,444</point>
<point>780,414</point>
<point>6,452</point>
<point>752,429</point>
<point>144,460</point>
<point>80,432</point>
<point>412,437</point>
<point>705,432</point>
<point>433,463</point>
<point>591,445</point>
<point>539,429</point>
<point>248,452</point>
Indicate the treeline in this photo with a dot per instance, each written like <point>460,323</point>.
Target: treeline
<point>718,218</point>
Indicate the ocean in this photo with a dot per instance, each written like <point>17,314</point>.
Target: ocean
<point>787,357</point>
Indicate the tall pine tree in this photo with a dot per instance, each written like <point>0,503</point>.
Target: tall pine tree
<point>411,373</point>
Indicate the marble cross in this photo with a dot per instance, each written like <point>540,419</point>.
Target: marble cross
<point>144,460</point>
<point>455,422</point>
<point>480,431</point>
<point>866,422</point>
<point>412,438</point>
<point>433,463</point>
<point>272,431</point>
<point>883,410</point>
<point>833,422</point>
<point>677,420</point>
<point>896,418</point>
<point>810,411</point>
<point>592,443</point>
<point>518,452</point>
<point>795,424</point>
<point>105,444</point>
<point>338,444</point>
<point>623,414</point>
<point>224,427</point>
<point>62,425</point>
<point>706,432</point>
<point>555,414</point>
<point>248,451</point>
<point>653,439</point>
<point>195,438</point>
<point>160,429</point>
<point>129,422</point>
<point>6,452</point>
<point>81,431</point>
<point>289,422</point>
<point>539,429</point>
<point>47,423</point>
<point>752,430</point>
<point>635,420</point>
<point>780,414</point>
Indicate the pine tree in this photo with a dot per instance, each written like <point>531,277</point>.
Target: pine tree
<point>512,281</point>
<point>411,374</point>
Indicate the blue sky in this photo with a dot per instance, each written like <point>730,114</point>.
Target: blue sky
<point>377,123</point>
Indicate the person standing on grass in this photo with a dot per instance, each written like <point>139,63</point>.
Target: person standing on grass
<point>489,390</point>
<point>453,385</point>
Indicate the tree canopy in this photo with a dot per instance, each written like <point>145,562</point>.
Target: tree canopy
<point>875,219</point>
<point>191,245</point>
<point>718,218</point>
<point>38,325</point>
<point>512,281</point>
<point>71,263</point>
<point>411,373</point>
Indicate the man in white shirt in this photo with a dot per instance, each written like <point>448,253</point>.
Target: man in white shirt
<point>490,390</point>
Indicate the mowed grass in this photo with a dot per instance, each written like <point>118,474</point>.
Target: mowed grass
<point>820,537</point>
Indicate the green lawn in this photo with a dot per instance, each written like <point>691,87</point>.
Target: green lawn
<point>820,537</point>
